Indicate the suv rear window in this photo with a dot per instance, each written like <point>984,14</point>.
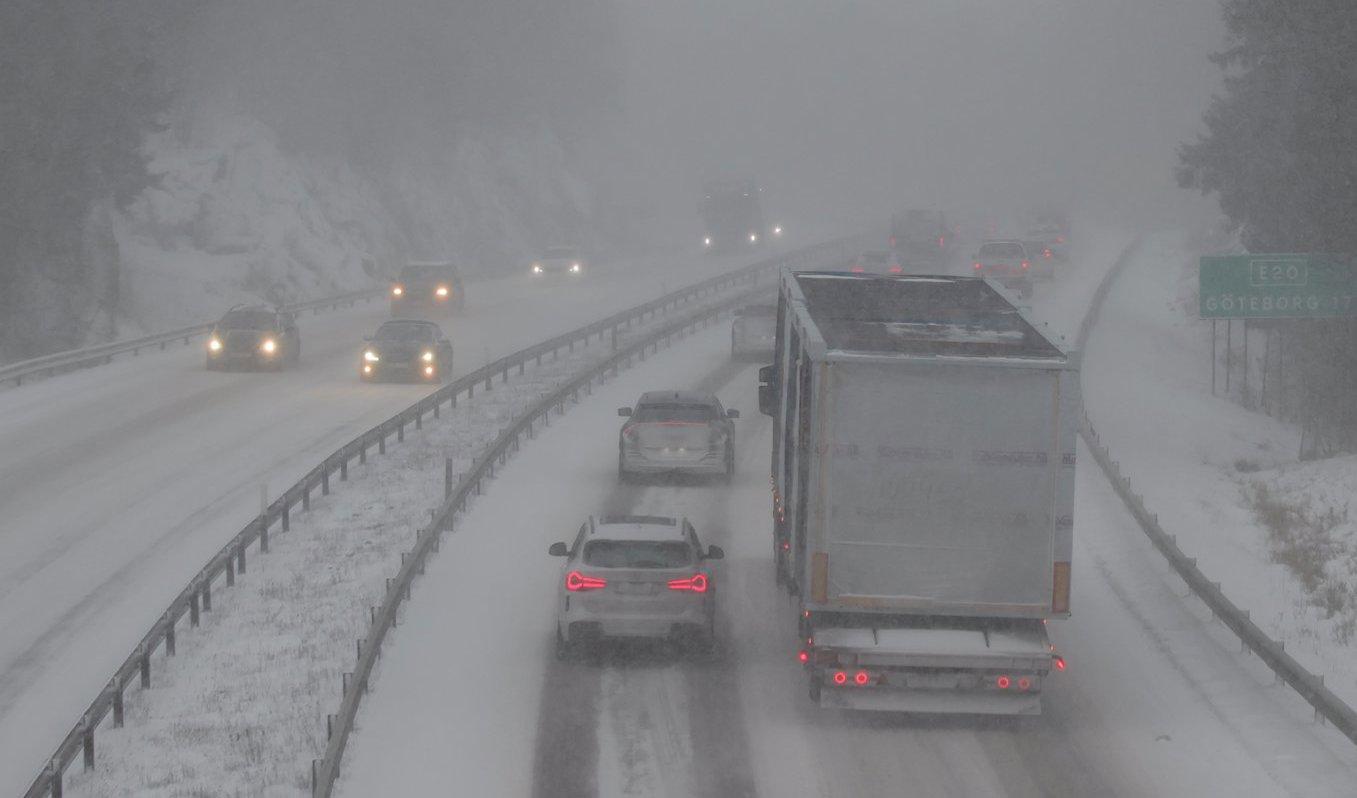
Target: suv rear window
<point>1001,251</point>
<point>637,554</point>
<point>674,411</point>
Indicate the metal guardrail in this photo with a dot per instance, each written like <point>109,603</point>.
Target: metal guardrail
<point>98,354</point>
<point>1273,653</point>
<point>231,560</point>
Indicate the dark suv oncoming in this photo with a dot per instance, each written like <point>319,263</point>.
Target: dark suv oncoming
<point>254,337</point>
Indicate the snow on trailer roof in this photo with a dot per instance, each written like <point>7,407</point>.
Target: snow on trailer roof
<point>931,315</point>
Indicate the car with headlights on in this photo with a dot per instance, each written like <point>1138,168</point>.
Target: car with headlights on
<point>414,350</point>
<point>671,433</point>
<point>635,576</point>
<point>427,288</point>
<point>753,332</point>
<point>559,260</point>
<point>256,337</point>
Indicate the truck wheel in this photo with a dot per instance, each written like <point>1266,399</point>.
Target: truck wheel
<point>815,685</point>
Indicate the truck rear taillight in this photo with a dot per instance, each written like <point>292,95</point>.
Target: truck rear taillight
<point>1026,265</point>
<point>840,678</point>
<point>1060,588</point>
<point>978,266</point>
<point>1059,662</point>
<point>576,582</point>
<point>861,678</point>
<point>697,583</point>
<point>1003,682</point>
<point>1046,253</point>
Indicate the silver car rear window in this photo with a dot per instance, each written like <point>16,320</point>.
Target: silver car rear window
<point>637,554</point>
<point>675,412</point>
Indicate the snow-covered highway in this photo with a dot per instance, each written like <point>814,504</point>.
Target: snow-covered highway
<point>118,482</point>
<point>1156,701</point>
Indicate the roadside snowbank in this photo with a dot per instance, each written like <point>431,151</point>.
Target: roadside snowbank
<point>1197,458</point>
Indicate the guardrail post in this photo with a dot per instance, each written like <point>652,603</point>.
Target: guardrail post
<point>344,468</point>
<point>419,419</point>
<point>447,478</point>
<point>325,480</point>
<point>362,451</point>
<point>230,572</point>
<point>87,744</point>
<point>287,518</point>
<point>193,618</point>
<point>117,703</point>
<point>145,669</point>
<point>55,769</point>
<point>170,638</point>
<point>207,594</point>
<point>400,432</point>
<point>381,443</point>
<point>263,534</point>
<point>240,557</point>
<point>306,497</point>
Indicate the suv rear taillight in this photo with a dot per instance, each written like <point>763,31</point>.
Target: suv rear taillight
<point>576,581</point>
<point>697,583</point>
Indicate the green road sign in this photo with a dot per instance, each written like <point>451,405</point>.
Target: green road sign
<point>1277,286</point>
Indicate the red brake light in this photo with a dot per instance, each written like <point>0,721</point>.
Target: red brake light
<point>1025,264</point>
<point>861,678</point>
<point>942,242</point>
<point>840,677</point>
<point>896,270</point>
<point>1003,682</point>
<point>1046,253</point>
<point>978,267</point>
<point>1059,239</point>
<point>697,583</point>
<point>803,656</point>
<point>576,581</point>
<point>1024,683</point>
<point>1060,663</point>
<point>858,270</point>
<point>892,240</point>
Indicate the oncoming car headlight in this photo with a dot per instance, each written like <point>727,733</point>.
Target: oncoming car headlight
<point>214,344</point>
<point>537,268</point>
<point>706,242</point>
<point>269,346</point>
<point>777,230</point>
<point>371,356</point>
<point>753,238</point>
<point>397,290</point>
<point>575,267</point>
<point>427,357</point>
<point>441,291</point>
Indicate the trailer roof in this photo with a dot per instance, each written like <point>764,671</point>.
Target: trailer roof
<point>915,315</point>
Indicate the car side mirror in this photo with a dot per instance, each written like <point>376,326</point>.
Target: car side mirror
<point>715,553</point>
<point>624,411</point>
<point>732,414</point>
<point>767,392</point>
<point>558,549</point>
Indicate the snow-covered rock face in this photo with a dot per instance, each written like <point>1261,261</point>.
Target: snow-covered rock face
<point>236,217</point>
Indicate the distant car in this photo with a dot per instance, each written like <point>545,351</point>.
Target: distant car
<point>559,260</point>
<point>1007,263</point>
<point>635,576</point>
<point>1052,243</point>
<point>753,332</point>
<point>876,262</point>
<point>254,337</point>
<point>427,288</point>
<point>676,432</point>
<point>406,349</point>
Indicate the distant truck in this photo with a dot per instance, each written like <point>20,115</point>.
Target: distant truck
<point>923,486</point>
<point>921,238</point>
<point>732,216</point>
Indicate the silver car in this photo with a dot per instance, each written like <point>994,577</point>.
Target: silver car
<point>1006,262</point>
<point>559,260</point>
<point>635,576</point>
<point>754,332</point>
<point>676,432</point>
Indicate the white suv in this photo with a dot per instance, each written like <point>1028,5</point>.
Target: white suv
<point>635,576</point>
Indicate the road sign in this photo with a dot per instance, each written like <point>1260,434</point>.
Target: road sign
<point>1277,286</point>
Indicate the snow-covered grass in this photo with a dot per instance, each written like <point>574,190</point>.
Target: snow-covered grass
<point>241,709</point>
<point>1285,553</point>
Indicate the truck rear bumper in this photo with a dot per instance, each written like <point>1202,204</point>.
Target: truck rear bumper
<point>948,702</point>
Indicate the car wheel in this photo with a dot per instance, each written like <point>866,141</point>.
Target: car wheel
<point>562,645</point>
<point>622,475</point>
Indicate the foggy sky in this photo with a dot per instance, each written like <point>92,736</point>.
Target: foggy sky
<point>849,108</point>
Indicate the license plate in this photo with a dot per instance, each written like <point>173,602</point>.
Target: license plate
<point>932,681</point>
<point>635,588</point>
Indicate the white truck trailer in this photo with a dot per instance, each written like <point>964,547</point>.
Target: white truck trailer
<point>923,490</point>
